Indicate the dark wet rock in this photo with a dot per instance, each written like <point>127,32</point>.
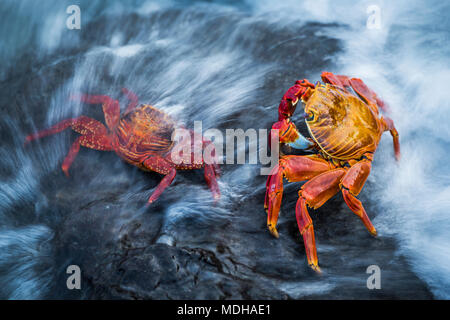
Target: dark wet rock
<point>236,259</point>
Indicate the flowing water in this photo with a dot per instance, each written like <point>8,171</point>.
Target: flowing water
<point>226,63</point>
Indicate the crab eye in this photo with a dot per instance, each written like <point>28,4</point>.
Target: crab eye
<point>310,117</point>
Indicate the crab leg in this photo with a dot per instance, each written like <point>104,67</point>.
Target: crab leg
<point>356,84</point>
<point>351,186</point>
<point>212,169</point>
<point>337,80</point>
<point>111,108</point>
<point>290,99</point>
<point>210,177</point>
<point>91,99</point>
<point>102,143</point>
<point>94,136</point>
<point>133,100</point>
<point>162,166</point>
<point>209,151</point>
<point>288,134</point>
<point>294,169</point>
<point>315,193</point>
<point>83,125</point>
<point>389,124</point>
<point>360,87</point>
<point>61,126</point>
<point>305,225</point>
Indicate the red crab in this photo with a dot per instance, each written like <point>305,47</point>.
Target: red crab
<point>343,120</point>
<point>142,136</point>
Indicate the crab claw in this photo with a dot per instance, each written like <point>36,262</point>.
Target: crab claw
<point>65,169</point>
<point>273,230</point>
<point>289,135</point>
<point>290,99</point>
<point>301,143</point>
<point>287,131</point>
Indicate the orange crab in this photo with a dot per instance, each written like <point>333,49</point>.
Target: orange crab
<point>142,136</point>
<point>343,119</point>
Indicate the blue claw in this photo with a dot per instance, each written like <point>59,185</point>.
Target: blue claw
<point>301,143</point>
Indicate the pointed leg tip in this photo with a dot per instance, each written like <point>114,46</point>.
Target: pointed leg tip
<point>148,204</point>
<point>316,268</point>
<point>273,231</point>
<point>373,232</point>
<point>66,172</point>
<point>216,197</point>
<point>30,138</point>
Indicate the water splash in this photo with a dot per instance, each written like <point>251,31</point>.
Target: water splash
<point>25,262</point>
